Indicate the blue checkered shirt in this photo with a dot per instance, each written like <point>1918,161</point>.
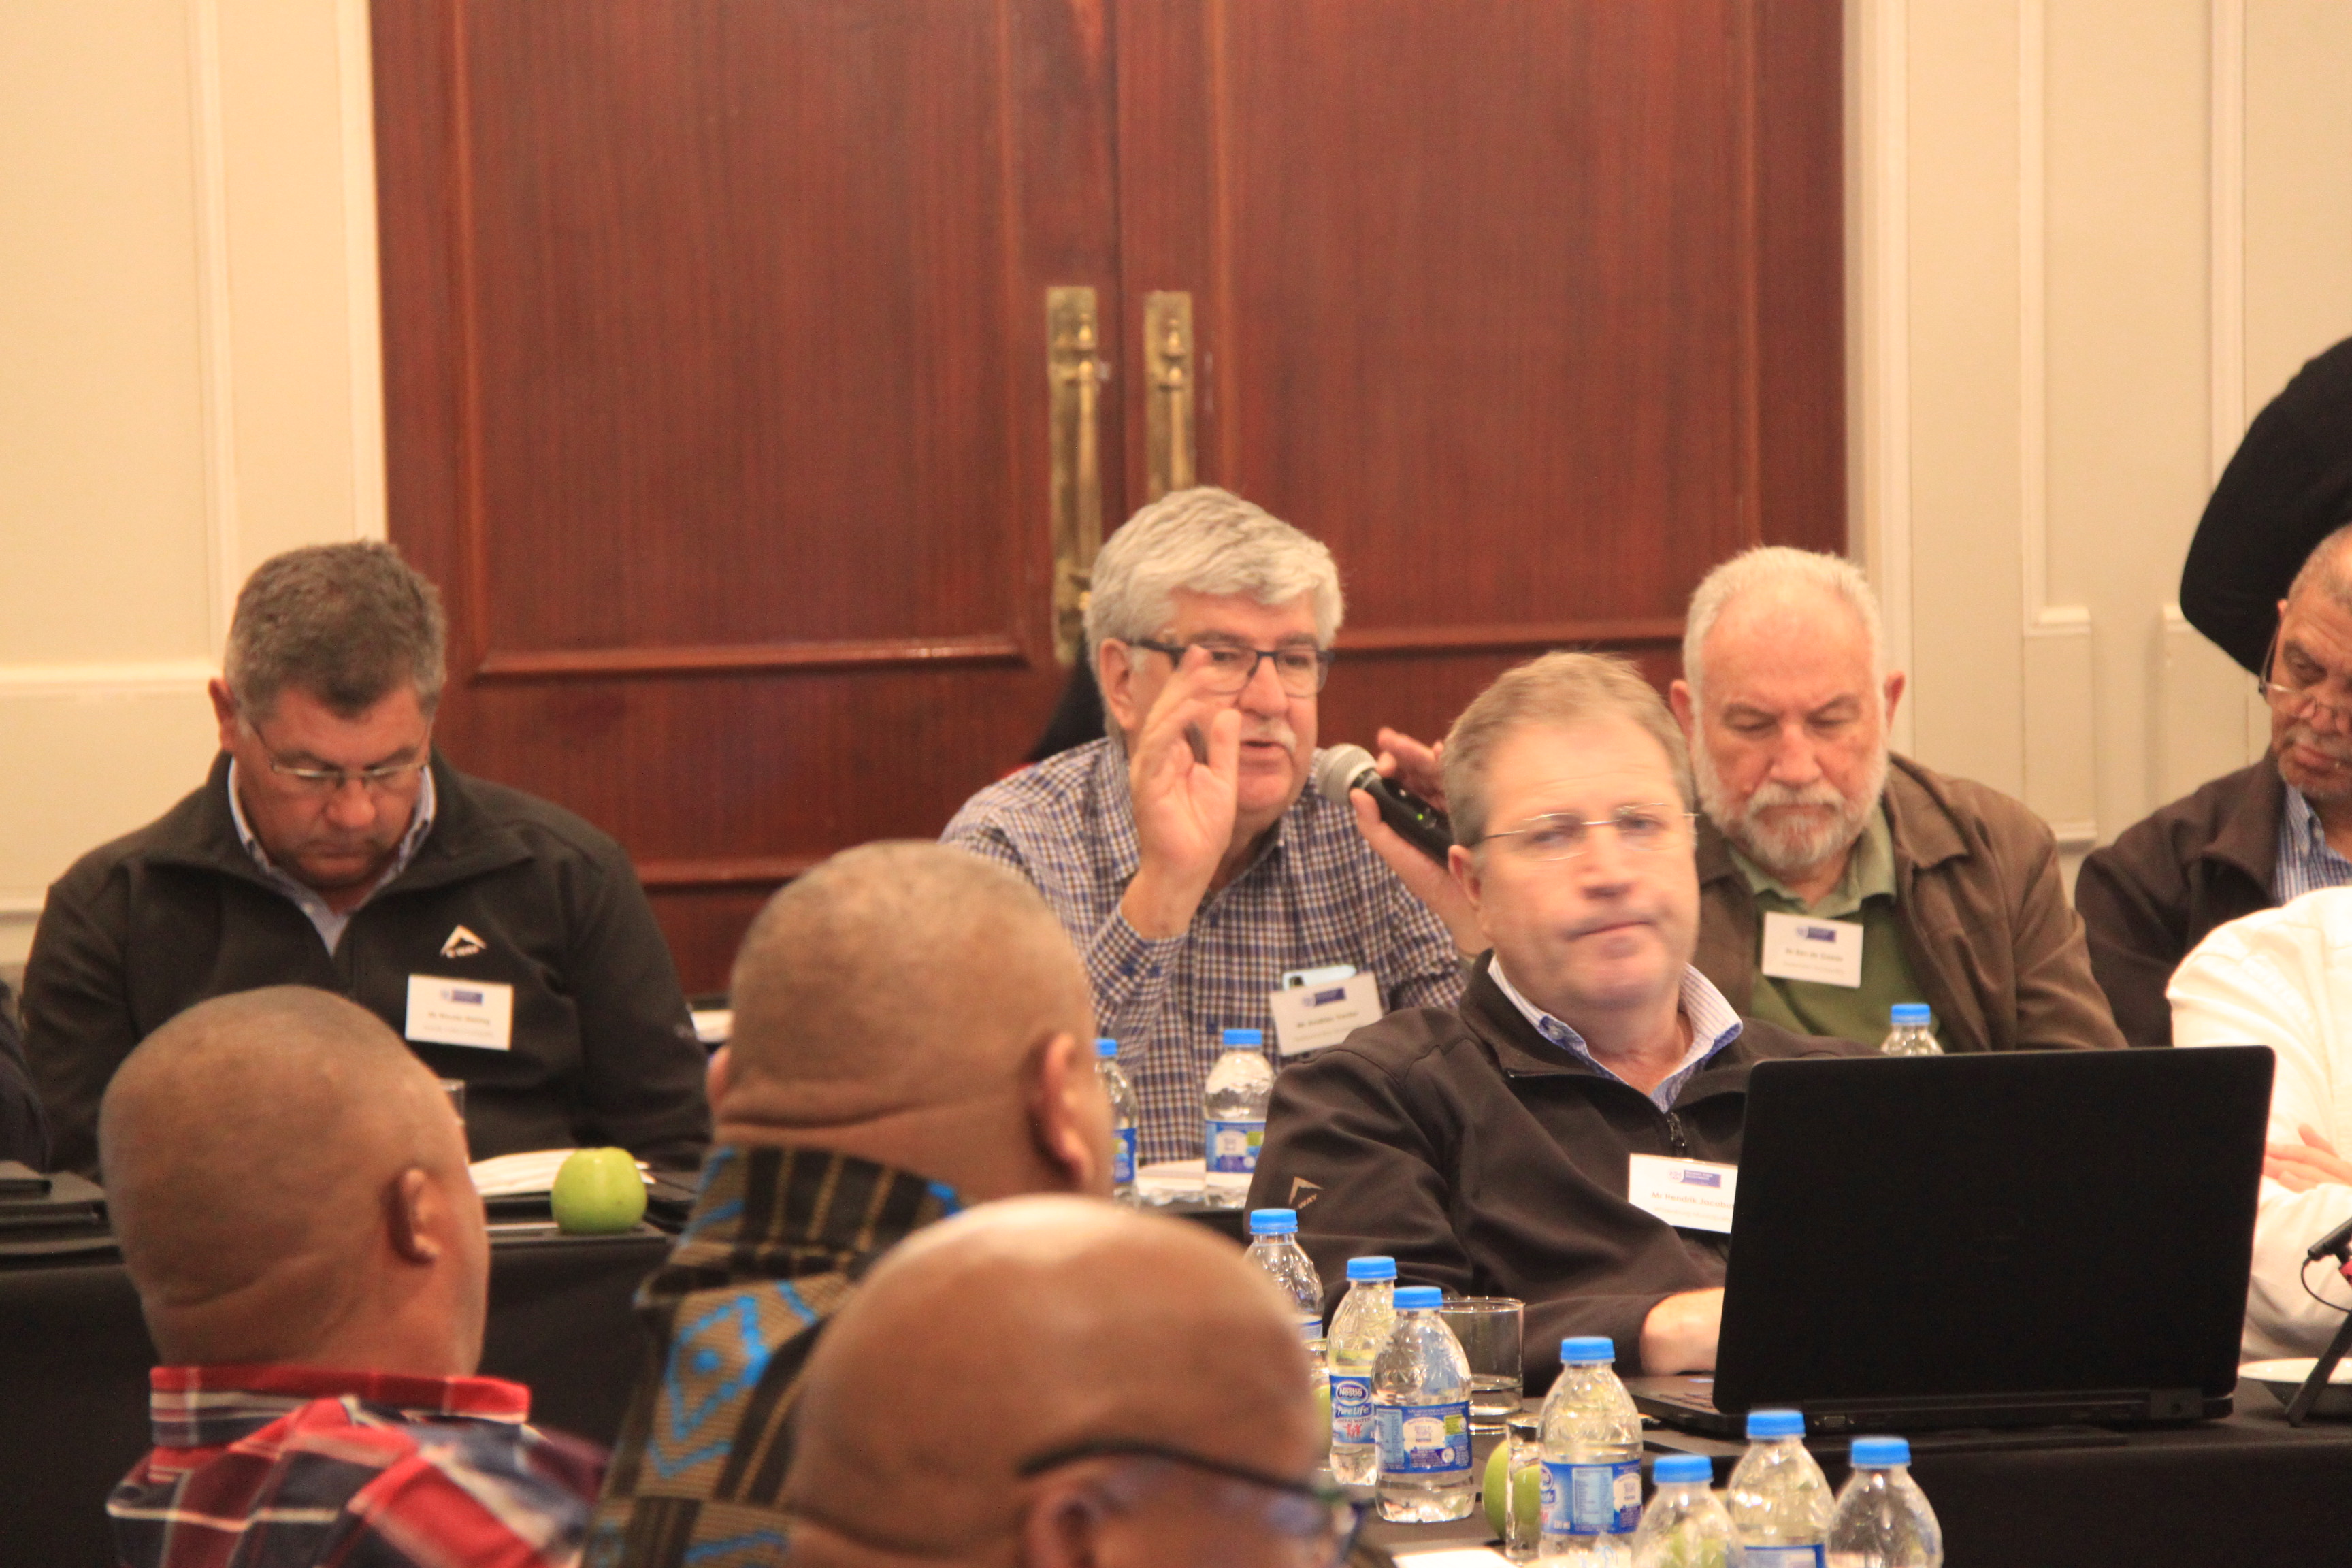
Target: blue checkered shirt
<point>2306,860</point>
<point>1316,894</point>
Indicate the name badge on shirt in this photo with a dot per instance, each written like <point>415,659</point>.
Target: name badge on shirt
<point>476,1013</point>
<point>1804,947</point>
<point>1308,1018</point>
<point>1689,1194</point>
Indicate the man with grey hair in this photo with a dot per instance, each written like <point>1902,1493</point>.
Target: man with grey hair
<point>505,939</point>
<point>1526,1142</point>
<point>1183,852</point>
<point>2249,840</point>
<point>1839,879</point>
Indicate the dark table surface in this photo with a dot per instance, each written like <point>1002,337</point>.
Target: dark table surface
<point>2248,1490</point>
<point>73,1376</point>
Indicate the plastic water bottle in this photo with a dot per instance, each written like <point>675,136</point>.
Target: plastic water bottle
<point>1883,1520</point>
<point>1421,1407</point>
<point>1126,1115</point>
<point>1276,1250</point>
<point>1914,1033</point>
<point>1685,1525</point>
<point>1233,1110</point>
<point>1358,1330</point>
<point>1592,1460</point>
<point>1779,1499</point>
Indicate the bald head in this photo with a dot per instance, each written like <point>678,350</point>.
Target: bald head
<point>288,1184</point>
<point>2327,571</point>
<point>1028,1327</point>
<point>892,977</point>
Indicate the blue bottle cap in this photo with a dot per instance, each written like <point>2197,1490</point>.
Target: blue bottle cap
<point>1878,1453</point>
<point>1674,1468</point>
<point>1588,1349</point>
<point>1274,1222</point>
<point>1775,1424</point>
<point>1418,1298</point>
<point>1253,1039</point>
<point>1106,1048</point>
<point>1910,1013</point>
<point>1373,1268</point>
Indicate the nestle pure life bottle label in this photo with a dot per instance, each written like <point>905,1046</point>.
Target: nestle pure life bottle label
<point>1233,1146</point>
<point>1783,1557</point>
<point>1591,1500</point>
<point>1351,1408</point>
<point>1122,1156</point>
<point>1425,1439</point>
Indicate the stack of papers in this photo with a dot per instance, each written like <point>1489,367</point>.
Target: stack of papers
<point>525,1174</point>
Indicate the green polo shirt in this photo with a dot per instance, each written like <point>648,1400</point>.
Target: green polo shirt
<point>1864,896</point>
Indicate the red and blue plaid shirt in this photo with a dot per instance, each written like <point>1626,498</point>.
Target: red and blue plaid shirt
<point>304,1465</point>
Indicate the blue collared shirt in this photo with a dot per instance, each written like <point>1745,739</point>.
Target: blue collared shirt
<point>306,898</point>
<point>2305,859</point>
<point>1713,1026</point>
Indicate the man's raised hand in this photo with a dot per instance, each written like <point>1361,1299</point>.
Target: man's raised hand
<point>1184,802</point>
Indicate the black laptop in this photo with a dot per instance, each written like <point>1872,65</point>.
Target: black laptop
<point>2009,1239</point>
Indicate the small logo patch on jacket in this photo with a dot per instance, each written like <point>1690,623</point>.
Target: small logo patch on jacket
<point>1303,1192</point>
<point>462,944</point>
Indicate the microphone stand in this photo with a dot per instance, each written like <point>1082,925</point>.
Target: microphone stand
<point>2323,1369</point>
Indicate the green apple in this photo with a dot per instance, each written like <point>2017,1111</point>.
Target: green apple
<point>598,1191</point>
<point>1527,1496</point>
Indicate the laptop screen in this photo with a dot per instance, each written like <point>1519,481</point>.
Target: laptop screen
<point>2012,1224</point>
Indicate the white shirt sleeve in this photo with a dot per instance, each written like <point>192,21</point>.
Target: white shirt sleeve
<point>2282,978</point>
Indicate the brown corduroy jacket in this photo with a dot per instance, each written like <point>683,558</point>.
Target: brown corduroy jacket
<point>2169,880</point>
<point>1982,907</point>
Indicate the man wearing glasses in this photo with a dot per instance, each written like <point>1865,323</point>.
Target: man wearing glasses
<point>505,939</point>
<point>2257,837</point>
<point>1058,1382</point>
<point>1182,853</point>
<point>1532,1140</point>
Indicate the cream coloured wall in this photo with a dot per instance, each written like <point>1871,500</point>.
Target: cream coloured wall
<point>191,383</point>
<point>2088,238</point>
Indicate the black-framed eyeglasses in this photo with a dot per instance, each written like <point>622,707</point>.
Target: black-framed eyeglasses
<point>2289,701</point>
<point>1556,835</point>
<point>1228,666</point>
<point>1324,1519</point>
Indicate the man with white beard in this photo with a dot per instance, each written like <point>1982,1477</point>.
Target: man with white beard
<point>1837,880</point>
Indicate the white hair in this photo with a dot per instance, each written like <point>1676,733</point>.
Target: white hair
<point>1771,566</point>
<point>1207,540</point>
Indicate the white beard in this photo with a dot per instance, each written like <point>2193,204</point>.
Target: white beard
<point>1787,846</point>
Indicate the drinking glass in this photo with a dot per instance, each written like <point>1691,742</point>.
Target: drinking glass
<point>1488,1328</point>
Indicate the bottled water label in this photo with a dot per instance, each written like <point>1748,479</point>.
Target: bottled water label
<point>1591,1500</point>
<point>1311,1328</point>
<point>1233,1147</point>
<point>1351,1407</point>
<point>1784,1557</point>
<point>1425,1439</point>
<point>1122,1156</point>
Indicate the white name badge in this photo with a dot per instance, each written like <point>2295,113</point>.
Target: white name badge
<point>1802,947</point>
<point>1308,1018</point>
<point>1689,1194</point>
<point>477,1012</point>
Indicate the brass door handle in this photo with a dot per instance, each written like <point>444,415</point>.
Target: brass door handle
<point>1075,371</point>
<point>1168,368</point>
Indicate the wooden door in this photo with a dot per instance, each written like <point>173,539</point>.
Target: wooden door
<point>717,360</point>
<point>715,348</point>
<point>1530,309</point>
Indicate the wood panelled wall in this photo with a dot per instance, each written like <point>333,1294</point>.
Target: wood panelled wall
<point>715,352</point>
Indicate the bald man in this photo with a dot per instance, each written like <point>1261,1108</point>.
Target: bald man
<point>1052,1382</point>
<point>289,1186</point>
<point>912,1033</point>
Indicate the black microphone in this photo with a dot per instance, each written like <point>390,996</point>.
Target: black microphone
<point>2335,1244</point>
<point>1421,825</point>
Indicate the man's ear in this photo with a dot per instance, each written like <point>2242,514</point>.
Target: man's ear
<point>1463,864</point>
<point>1894,693</point>
<point>1678,698</point>
<point>1063,1527</point>
<point>414,1214</point>
<point>224,710</point>
<point>1068,1117</point>
<point>1115,674</point>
